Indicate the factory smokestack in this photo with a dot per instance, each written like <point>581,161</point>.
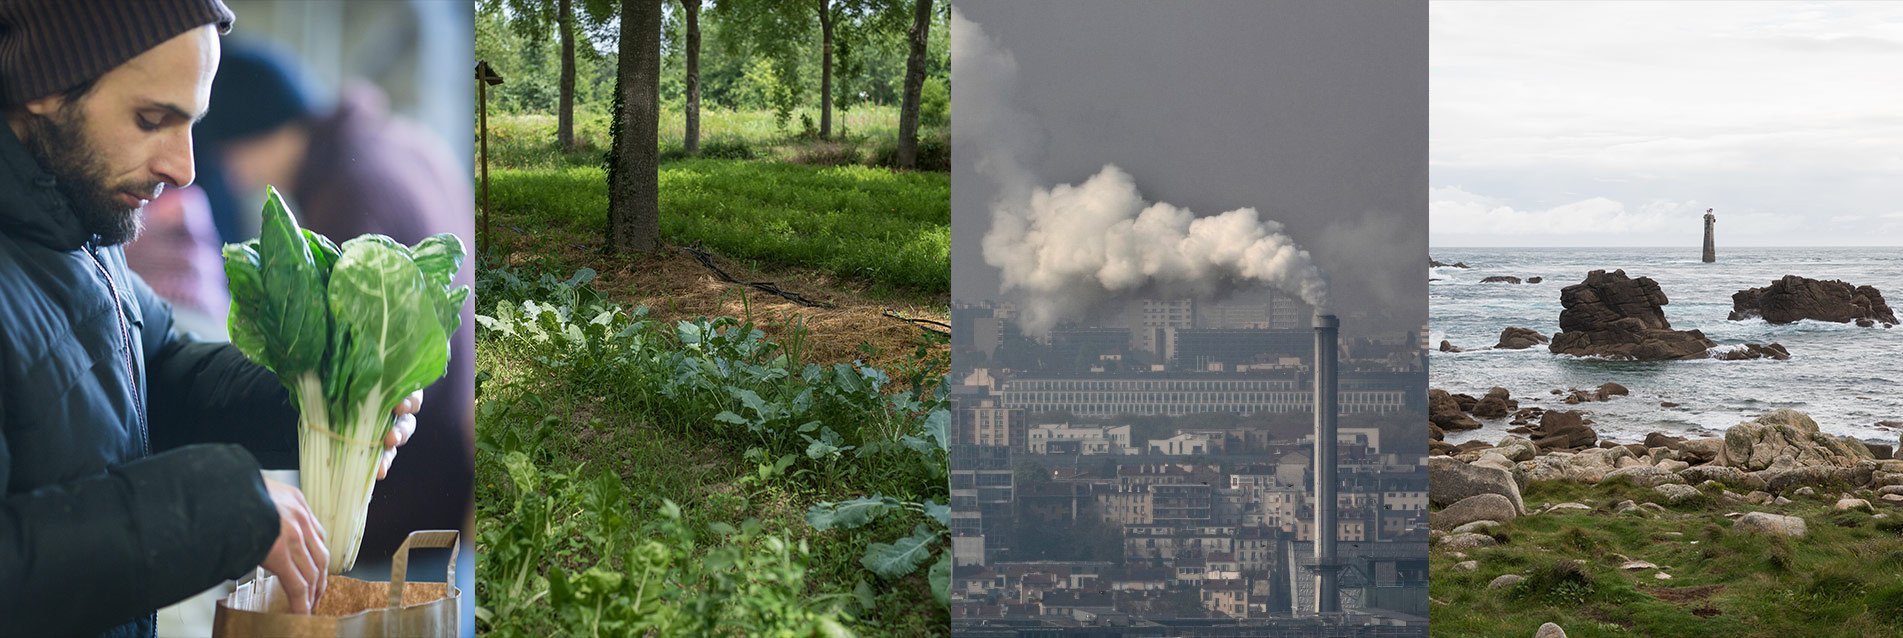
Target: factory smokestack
<point>1327,591</point>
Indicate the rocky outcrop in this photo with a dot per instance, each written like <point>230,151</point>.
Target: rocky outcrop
<point>1787,439</point>
<point>1444,411</point>
<point>1450,481</point>
<point>1435,263</point>
<point>1535,280</point>
<point>1448,346</point>
<point>1564,430</point>
<point>1514,338</point>
<point>1501,279</point>
<point>1497,404</point>
<point>1794,298</point>
<point>1480,507</point>
<point>1750,351</point>
<point>1611,315</point>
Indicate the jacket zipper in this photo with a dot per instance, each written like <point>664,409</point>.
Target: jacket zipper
<point>132,373</point>
<point>125,333</point>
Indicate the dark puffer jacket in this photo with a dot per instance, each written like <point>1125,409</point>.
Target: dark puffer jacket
<point>115,502</point>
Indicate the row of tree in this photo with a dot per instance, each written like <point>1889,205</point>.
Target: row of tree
<point>759,55</point>
<point>634,170</point>
<point>768,28</point>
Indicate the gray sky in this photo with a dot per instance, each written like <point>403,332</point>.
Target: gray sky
<point>1314,114</point>
<point>1560,124</point>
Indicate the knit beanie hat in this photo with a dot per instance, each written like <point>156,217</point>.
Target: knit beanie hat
<point>49,46</point>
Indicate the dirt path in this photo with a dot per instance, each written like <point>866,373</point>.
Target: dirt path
<point>674,285</point>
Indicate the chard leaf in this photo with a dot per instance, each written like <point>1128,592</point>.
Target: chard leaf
<point>290,314</point>
<point>941,575</point>
<point>247,296</point>
<point>895,560</point>
<point>849,514</point>
<point>940,513</point>
<point>389,341</point>
<point>439,256</point>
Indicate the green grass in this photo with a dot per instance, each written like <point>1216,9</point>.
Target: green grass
<point>617,496</point>
<point>526,140</point>
<point>889,229</point>
<point>1845,578</point>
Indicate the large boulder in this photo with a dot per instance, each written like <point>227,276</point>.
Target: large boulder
<point>1443,410</point>
<point>1698,451</point>
<point>1787,439</point>
<point>1496,461</point>
<point>1500,279</point>
<point>1564,430</point>
<point>1793,298</point>
<point>1517,448</point>
<point>1764,523</point>
<point>1728,475</point>
<point>1645,475</point>
<point>1516,338</point>
<point>1450,481</point>
<point>1480,507</point>
<point>1611,315</point>
<point>1791,480</point>
<point>1492,407</point>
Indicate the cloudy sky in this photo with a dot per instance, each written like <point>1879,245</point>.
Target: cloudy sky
<point>1313,114</point>
<point>1558,124</point>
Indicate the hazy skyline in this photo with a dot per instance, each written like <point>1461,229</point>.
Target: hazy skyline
<point>1563,124</point>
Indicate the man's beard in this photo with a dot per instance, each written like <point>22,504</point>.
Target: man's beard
<point>59,142</point>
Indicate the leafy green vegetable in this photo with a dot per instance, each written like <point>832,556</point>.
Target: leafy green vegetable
<point>351,331</point>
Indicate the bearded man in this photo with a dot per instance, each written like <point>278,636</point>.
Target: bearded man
<point>130,453</point>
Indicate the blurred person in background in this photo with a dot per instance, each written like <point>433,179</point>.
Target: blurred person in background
<point>178,256</point>
<point>348,167</point>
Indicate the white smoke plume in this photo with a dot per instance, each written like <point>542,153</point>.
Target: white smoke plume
<point>1063,249</point>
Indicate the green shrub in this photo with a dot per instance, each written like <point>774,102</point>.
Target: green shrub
<point>727,147</point>
<point>827,154</point>
<point>934,152</point>
<point>934,105</point>
<point>1561,582</point>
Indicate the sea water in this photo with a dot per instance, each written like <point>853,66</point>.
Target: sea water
<point>1847,378</point>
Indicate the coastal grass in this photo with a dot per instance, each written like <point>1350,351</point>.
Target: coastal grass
<point>889,229</point>
<point>1844,578</point>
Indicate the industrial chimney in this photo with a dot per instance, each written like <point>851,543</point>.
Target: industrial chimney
<point>1327,592</point>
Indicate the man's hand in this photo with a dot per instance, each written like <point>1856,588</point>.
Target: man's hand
<point>299,557</point>
<point>399,434</point>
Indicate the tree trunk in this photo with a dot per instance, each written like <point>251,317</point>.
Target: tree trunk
<point>914,83</point>
<point>634,215</point>
<point>692,10</point>
<point>825,69</point>
<point>565,111</point>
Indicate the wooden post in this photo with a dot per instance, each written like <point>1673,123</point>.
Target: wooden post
<point>485,76</point>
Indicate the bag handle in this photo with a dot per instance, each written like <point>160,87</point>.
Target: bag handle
<point>425,539</point>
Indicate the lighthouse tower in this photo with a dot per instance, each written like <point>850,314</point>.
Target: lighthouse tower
<point>1711,247</point>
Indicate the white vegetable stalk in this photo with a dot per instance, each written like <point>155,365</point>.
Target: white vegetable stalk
<point>338,472</point>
